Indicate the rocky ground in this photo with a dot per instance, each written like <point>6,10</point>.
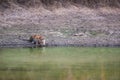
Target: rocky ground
<point>61,27</point>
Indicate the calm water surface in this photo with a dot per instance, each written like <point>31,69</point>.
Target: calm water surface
<point>60,63</point>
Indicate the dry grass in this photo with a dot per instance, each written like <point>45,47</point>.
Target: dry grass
<point>32,11</point>
<point>20,15</point>
<point>59,3</point>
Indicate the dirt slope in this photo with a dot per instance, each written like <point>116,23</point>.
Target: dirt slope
<point>76,26</point>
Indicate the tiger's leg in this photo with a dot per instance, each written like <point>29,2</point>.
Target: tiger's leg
<point>43,42</point>
<point>35,41</point>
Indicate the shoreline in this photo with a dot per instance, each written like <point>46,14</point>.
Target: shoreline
<point>56,45</point>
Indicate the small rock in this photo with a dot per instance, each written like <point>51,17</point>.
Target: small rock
<point>79,34</point>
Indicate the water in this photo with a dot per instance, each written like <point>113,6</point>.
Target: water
<point>60,63</point>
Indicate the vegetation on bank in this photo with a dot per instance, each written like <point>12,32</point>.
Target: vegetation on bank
<point>60,3</point>
<point>62,22</point>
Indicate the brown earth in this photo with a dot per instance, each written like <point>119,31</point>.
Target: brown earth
<point>71,26</point>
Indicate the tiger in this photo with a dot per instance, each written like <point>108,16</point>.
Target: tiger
<point>37,40</point>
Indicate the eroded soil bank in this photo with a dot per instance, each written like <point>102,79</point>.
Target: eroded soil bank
<point>61,27</point>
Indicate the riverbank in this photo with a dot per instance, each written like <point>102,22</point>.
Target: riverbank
<point>61,27</point>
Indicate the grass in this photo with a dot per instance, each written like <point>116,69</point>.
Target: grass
<point>60,63</point>
<point>59,3</point>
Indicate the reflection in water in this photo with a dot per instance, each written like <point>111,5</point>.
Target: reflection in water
<point>102,71</point>
<point>66,63</point>
<point>37,50</point>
